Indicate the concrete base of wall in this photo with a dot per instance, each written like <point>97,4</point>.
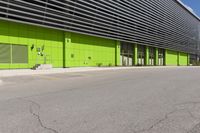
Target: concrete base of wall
<point>43,67</point>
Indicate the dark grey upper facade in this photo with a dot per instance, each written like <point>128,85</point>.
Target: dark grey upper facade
<point>160,23</point>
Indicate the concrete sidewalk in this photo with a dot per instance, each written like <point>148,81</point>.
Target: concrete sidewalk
<point>22,72</point>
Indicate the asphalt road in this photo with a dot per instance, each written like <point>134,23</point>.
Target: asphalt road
<point>152,100</point>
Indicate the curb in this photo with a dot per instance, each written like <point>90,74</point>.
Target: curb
<point>1,82</point>
<point>25,72</point>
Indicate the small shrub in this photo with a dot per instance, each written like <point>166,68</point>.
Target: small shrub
<point>110,64</point>
<point>99,64</point>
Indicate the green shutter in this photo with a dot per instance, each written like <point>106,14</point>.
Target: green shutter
<point>5,51</point>
<point>19,54</point>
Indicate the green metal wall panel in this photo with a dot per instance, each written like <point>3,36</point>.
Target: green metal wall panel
<point>188,59</point>
<point>171,58</point>
<point>117,53</point>
<point>135,55</point>
<point>183,59</point>
<point>147,55</point>
<point>83,50</point>
<point>156,56</point>
<point>33,37</point>
<point>178,53</point>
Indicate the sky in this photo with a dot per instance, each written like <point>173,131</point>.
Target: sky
<point>192,5</point>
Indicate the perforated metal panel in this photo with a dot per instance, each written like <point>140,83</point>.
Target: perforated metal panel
<point>5,53</point>
<point>19,54</point>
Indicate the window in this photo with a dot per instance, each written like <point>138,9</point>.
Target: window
<point>13,53</point>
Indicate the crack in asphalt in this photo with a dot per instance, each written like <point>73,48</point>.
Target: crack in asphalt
<point>195,129</point>
<point>37,116</point>
<point>166,116</point>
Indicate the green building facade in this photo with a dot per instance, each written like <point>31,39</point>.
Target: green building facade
<point>24,46</point>
<point>97,33</point>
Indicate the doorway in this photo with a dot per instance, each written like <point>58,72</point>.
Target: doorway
<point>141,55</point>
<point>126,54</point>
<point>161,57</point>
<point>152,53</point>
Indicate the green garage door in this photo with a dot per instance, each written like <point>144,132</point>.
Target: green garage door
<point>13,54</point>
<point>171,58</point>
<point>183,59</point>
<point>5,53</point>
<point>19,54</point>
